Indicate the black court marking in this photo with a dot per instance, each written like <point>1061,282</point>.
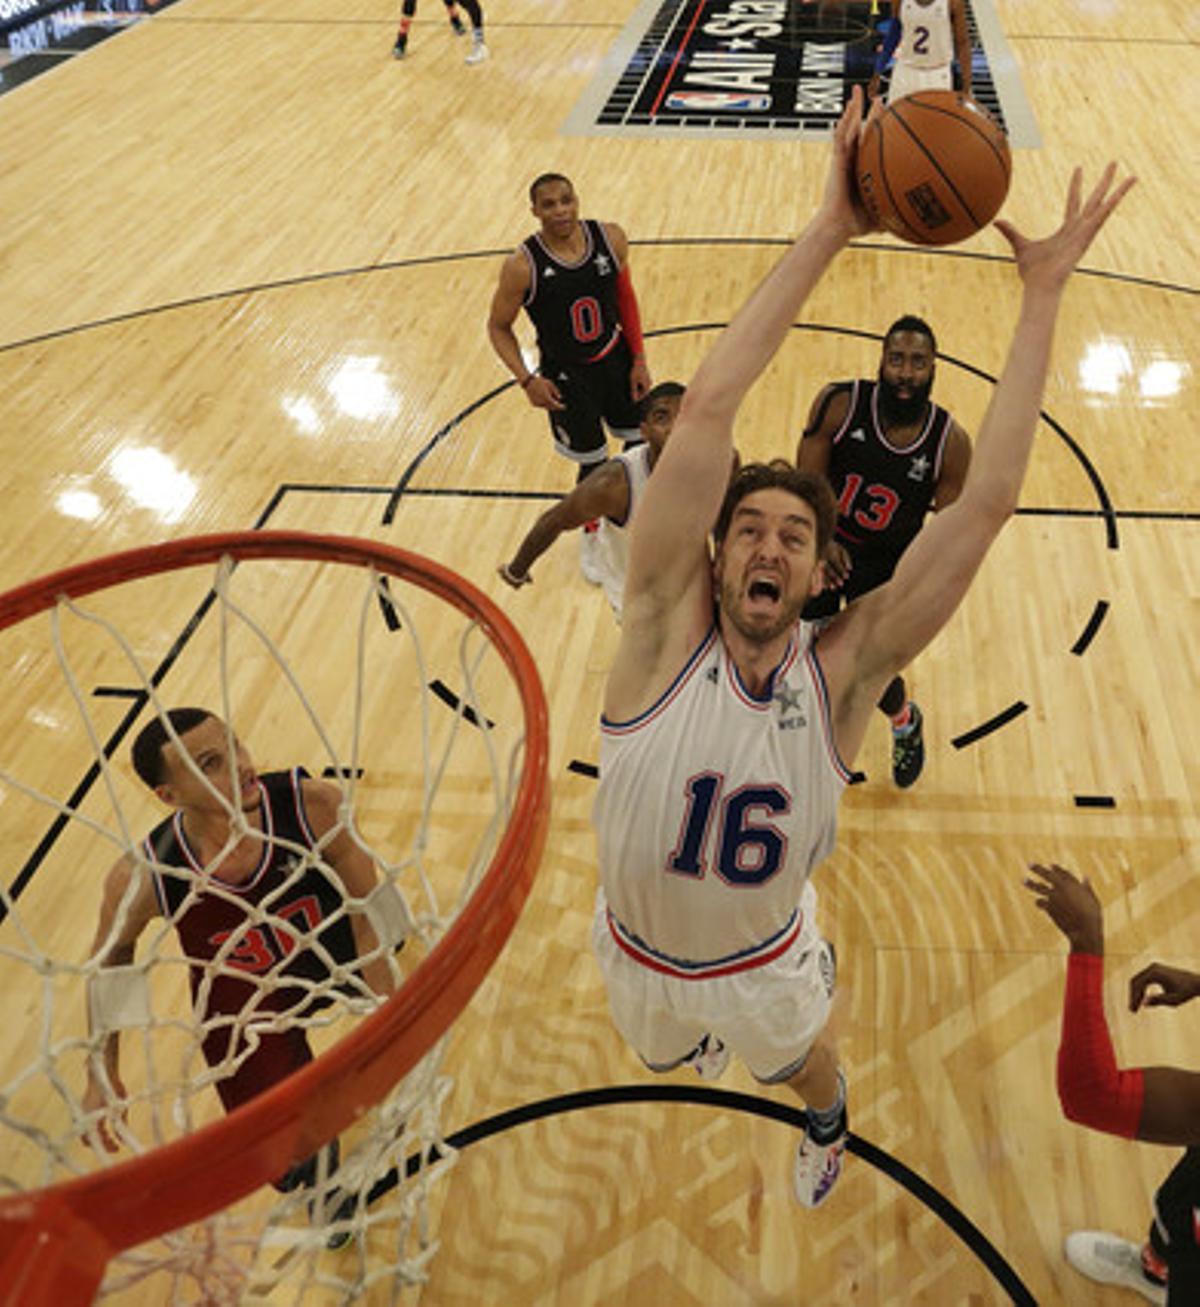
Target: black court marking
<point>588,769</point>
<point>448,697</point>
<point>118,692</point>
<point>1014,710</point>
<point>431,260</point>
<point>343,773</point>
<point>976,1242</point>
<point>110,746</point>
<point>1088,634</point>
<point>1095,801</point>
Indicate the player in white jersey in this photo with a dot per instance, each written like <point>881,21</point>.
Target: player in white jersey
<point>610,496</point>
<point>727,729</point>
<point>932,34</point>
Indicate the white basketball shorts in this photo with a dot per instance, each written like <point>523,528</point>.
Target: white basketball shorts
<point>769,1015</point>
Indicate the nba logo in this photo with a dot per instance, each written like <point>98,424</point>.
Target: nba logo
<point>720,101</point>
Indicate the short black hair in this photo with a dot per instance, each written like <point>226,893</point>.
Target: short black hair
<point>910,322</point>
<point>664,390</point>
<point>812,488</point>
<point>147,748</point>
<point>543,179</point>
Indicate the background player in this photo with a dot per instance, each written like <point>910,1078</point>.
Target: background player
<point>572,278</point>
<point>257,870</point>
<point>610,496</point>
<point>1158,1104</point>
<point>724,746</point>
<point>479,51</point>
<point>932,34</point>
<point>890,455</point>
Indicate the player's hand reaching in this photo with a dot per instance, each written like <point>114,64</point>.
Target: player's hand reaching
<point>96,1100</point>
<point>514,579</point>
<point>543,393</point>
<point>837,566</point>
<point>1046,264</point>
<point>841,204</point>
<point>1071,904</point>
<point>1174,986</point>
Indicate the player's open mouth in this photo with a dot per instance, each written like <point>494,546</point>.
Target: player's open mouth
<point>764,588</point>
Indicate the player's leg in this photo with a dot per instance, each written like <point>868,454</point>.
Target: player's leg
<point>908,740</point>
<point>646,1008</point>
<point>452,14</point>
<point>621,414</point>
<point>407,12</point>
<point>479,51</point>
<point>579,435</point>
<point>775,1019</point>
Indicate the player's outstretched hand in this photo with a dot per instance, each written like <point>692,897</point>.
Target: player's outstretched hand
<point>841,203</point>
<point>1046,264</point>
<point>1071,904</point>
<point>1174,986</point>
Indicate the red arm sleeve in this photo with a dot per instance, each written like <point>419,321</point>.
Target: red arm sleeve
<point>1093,1092</point>
<point>627,309</point>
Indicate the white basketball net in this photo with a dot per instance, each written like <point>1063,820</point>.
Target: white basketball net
<point>422,779</point>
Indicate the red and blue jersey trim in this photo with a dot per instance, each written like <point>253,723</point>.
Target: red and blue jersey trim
<point>744,960</point>
<point>668,696</point>
<point>818,679</point>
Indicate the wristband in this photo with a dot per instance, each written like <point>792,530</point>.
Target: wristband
<point>525,384</point>
<point>512,578</point>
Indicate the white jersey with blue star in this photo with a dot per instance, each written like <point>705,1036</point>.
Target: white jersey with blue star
<point>713,808</point>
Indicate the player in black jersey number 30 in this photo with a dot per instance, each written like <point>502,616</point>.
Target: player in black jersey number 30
<point>214,889</point>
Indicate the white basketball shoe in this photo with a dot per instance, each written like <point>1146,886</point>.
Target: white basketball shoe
<point>1108,1259</point>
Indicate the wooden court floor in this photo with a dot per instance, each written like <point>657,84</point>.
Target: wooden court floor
<point>245,263</point>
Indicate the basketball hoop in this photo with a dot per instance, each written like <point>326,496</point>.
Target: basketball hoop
<point>55,1241</point>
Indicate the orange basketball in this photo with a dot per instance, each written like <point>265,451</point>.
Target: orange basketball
<point>934,168</point>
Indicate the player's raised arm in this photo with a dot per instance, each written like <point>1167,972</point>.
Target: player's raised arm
<point>668,550</point>
<point>887,629</point>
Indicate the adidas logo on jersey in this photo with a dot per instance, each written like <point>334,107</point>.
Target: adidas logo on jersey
<point>858,434</point>
<point>548,273</point>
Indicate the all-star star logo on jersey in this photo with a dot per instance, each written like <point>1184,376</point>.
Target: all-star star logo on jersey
<point>918,468</point>
<point>790,701</point>
<point>603,264</point>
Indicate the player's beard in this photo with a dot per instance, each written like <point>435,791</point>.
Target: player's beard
<point>728,595</point>
<point>898,412</point>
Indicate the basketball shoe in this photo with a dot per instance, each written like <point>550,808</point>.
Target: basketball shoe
<point>908,750</point>
<point>817,1167</point>
<point>460,28</point>
<point>709,1058</point>
<point>1109,1260</point>
<point>401,47</point>
<point>479,52</point>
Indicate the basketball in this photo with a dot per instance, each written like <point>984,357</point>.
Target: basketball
<point>933,168</point>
